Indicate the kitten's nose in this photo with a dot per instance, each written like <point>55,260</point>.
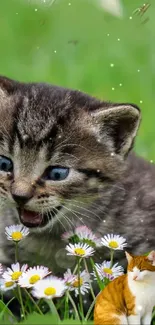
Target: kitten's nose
<point>135,277</point>
<point>21,199</point>
<point>22,191</point>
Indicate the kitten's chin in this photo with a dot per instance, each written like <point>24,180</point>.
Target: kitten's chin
<point>33,219</point>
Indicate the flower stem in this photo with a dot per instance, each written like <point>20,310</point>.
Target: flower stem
<point>66,314</point>
<point>89,310</point>
<point>16,252</point>
<point>53,308</point>
<point>74,306</point>
<point>31,298</point>
<point>91,288</point>
<point>21,300</point>
<point>80,296</point>
<point>111,257</point>
<point>100,283</point>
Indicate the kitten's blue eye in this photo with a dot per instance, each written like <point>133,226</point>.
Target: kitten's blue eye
<point>56,173</point>
<point>6,164</point>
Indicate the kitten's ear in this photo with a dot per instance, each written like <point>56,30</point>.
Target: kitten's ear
<point>118,126</point>
<point>128,256</point>
<point>151,257</point>
<point>7,85</point>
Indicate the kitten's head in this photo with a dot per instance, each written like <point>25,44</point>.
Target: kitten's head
<point>141,268</point>
<point>56,146</point>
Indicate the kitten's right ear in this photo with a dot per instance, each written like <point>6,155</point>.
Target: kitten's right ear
<point>7,85</point>
<point>128,256</point>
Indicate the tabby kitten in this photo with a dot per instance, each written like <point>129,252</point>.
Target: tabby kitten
<point>130,298</point>
<point>64,162</point>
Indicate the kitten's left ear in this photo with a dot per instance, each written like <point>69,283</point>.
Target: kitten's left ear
<point>151,257</point>
<point>118,125</point>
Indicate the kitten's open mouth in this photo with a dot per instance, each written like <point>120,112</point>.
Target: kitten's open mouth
<point>32,219</point>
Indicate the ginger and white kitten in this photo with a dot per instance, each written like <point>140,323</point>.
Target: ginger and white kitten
<point>130,298</point>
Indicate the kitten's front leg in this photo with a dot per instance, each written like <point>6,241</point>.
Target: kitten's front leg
<point>146,320</point>
<point>134,320</point>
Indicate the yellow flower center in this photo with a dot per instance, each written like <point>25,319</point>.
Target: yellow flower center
<point>34,278</point>
<point>79,251</point>
<point>17,235</point>
<point>15,275</point>
<point>50,291</point>
<point>107,270</point>
<point>77,283</point>
<point>9,284</point>
<point>113,244</point>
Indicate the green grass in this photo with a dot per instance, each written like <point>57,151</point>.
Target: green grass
<point>30,38</point>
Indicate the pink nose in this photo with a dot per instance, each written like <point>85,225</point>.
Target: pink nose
<point>135,277</point>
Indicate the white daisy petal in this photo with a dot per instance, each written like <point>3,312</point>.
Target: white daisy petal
<point>33,275</point>
<point>84,283</point>
<point>49,288</point>
<point>69,278</point>
<point>14,272</point>
<point>115,242</point>
<point>81,250</point>
<point>7,285</point>
<point>105,271</point>
<point>16,232</point>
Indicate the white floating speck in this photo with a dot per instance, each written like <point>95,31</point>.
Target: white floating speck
<point>112,65</point>
<point>108,34</point>
<point>35,9</point>
<point>138,70</point>
<point>130,17</point>
<point>113,88</point>
<point>139,307</point>
<point>118,39</point>
<point>69,4</point>
<point>55,51</point>
<point>114,7</point>
<point>98,170</point>
<point>151,161</point>
<point>120,85</point>
<point>112,154</point>
<point>141,101</point>
<point>16,13</point>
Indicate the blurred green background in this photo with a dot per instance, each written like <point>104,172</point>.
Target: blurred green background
<point>75,43</point>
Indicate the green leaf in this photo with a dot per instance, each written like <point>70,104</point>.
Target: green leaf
<point>6,315</point>
<point>37,319</point>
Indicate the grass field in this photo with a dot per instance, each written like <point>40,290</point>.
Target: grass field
<point>74,43</point>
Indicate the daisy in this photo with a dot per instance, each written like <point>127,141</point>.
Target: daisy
<point>68,235</point>
<point>81,234</point>
<point>49,288</point>
<point>33,275</point>
<point>105,271</point>
<point>81,250</point>
<point>83,282</point>
<point>13,273</point>
<point>16,232</point>
<point>7,285</point>
<point>115,242</point>
<point>69,278</point>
